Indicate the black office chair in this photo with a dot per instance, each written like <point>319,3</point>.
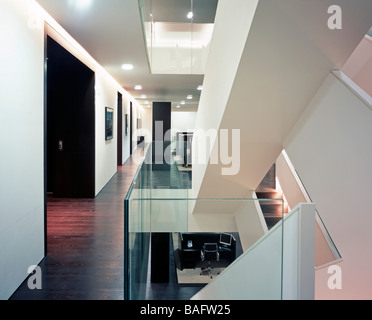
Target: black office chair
<point>209,253</point>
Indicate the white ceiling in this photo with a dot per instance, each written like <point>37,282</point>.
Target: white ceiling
<point>111,31</point>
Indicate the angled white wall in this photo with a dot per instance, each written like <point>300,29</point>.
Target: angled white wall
<point>265,65</point>
<point>359,66</point>
<point>230,33</point>
<point>329,148</point>
<point>280,265</point>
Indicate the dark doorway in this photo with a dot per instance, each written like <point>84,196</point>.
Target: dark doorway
<point>70,125</point>
<point>131,129</point>
<point>120,129</point>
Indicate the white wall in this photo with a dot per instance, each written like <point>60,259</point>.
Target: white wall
<point>147,124</point>
<point>106,151</point>
<point>330,149</point>
<point>21,143</point>
<point>257,274</point>
<point>215,94</point>
<point>183,121</point>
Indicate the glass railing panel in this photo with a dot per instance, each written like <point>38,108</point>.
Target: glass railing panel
<point>250,224</point>
<point>158,203</point>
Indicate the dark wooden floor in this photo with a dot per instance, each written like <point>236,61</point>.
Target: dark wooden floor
<point>85,245</point>
<point>85,248</point>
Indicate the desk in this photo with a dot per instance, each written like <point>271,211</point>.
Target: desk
<point>188,257</point>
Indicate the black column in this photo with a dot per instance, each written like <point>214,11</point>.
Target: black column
<point>160,257</point>
<point>161,135</point>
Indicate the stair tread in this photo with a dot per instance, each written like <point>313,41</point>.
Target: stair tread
<point>261,194</point>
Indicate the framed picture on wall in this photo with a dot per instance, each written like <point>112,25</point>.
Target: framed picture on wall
<point>109,123</point>
<point>126,125</point>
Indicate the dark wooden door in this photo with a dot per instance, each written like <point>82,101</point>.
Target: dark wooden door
<point>120,129</point>
<point>131,129</point>
<point>70,125</point>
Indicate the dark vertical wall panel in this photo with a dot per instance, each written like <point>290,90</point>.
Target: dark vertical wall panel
<point>71,124</point>
<point>161,115</point>
<point>161,112</point>
<point>131,128</point>
<point>161,126</point>
<point>120,129</point>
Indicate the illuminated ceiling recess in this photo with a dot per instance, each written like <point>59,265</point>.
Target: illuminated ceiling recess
<point>178,34</point>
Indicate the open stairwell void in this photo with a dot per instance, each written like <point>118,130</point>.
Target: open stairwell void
<point>273,210</point>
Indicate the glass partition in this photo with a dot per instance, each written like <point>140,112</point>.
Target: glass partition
<point>233,226</point>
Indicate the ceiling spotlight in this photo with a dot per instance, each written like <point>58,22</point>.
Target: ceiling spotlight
<point>189,97</point>
<point>138,87</point>
<point>178,107</point>
<point>183,102</point>
<point>190,15</point>
<point>200,88</point>
<point>127,67</point>
<point>143,96</point>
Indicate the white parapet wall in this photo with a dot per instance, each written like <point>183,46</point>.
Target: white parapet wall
<point>280,265</point>
<point>330,149</point>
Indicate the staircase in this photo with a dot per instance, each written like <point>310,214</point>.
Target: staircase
<point>273,210</point>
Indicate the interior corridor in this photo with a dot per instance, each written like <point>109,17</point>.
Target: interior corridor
<point>85,245</point>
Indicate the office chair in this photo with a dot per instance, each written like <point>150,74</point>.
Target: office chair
<point>209,253</point>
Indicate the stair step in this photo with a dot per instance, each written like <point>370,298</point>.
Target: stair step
<point>271,221</point>
<point>269,194</point>
<point>271,208</point>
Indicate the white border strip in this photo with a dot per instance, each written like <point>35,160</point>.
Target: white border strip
<point>354,88</point>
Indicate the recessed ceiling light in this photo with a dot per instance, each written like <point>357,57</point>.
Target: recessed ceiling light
<point>190,15</point>
<point>189,97</point>
<point>183,102</point>
<point>127,66</point>
<point>200,88</point>
<point>143,96</point>
<point>138,87</point>
<point>178,107</point>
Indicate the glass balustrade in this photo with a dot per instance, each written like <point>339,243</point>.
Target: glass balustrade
<point>153,207</point>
